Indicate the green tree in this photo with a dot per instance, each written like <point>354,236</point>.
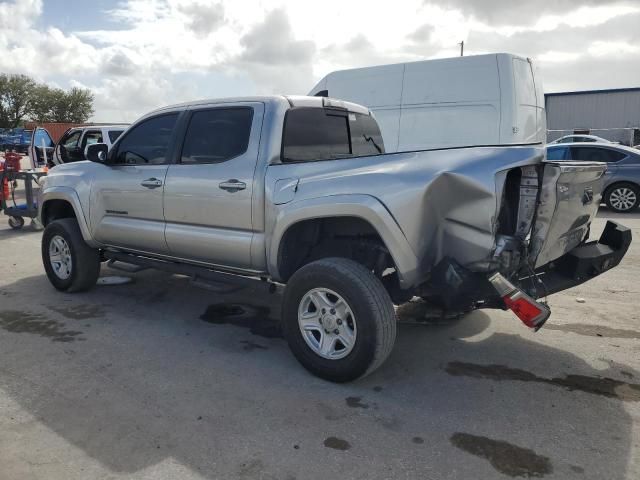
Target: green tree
<point>15,98</point>
<point>21,97</point>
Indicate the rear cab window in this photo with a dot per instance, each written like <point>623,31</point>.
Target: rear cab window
<point>312,134</point>
<point>114,134</point>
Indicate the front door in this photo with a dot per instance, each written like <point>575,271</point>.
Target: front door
<point>126,194</point>
<point>208,192</point>
<point>41,148</point>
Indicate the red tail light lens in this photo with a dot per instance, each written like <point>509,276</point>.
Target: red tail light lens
<point>524,310</point>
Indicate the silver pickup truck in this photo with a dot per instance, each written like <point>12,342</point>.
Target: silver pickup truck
<point>299,191</point>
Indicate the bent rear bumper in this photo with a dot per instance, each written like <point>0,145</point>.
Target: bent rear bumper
<point>455,287</point>
<point>581,264</point>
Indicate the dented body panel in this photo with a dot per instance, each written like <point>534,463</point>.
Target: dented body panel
<point>445,202</point>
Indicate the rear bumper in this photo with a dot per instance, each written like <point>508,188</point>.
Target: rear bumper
<point>581,264</point>
<point>455,287</point>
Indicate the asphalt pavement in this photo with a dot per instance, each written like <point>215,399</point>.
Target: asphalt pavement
<point>160,379</point>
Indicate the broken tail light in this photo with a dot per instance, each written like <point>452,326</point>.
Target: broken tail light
<point>532,313</point>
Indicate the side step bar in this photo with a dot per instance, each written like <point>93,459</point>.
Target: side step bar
<point>200,275</point>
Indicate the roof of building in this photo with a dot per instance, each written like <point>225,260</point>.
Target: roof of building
<point>581,92</point>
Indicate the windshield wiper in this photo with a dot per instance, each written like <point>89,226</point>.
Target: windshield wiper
<point>370,139</point>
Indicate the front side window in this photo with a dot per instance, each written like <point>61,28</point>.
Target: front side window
<point>148,142</point>
<point>91,137</point>
<point>71,139</point>
<point>324,134</point>
<point>594,154</point>
<point>42,139</point>
<point>114,134</point>
<point>217,135</point>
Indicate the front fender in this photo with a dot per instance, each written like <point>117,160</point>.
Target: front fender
<point>71,196</point>
<point>365,207</point>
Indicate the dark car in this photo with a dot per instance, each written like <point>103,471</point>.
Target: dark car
<point>621,190</point>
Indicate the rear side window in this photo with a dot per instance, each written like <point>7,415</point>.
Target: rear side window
<point>594,154</point>
<point>324,134</point>
<point>91,137</point>
<point>217,135</point>
<point>147,143</point>
<point>557,153</point>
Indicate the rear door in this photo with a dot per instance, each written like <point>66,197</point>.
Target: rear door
<point>208,192</point>
<point>126,195</point>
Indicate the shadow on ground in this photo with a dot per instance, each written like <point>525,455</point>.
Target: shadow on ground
<point>162,374</point>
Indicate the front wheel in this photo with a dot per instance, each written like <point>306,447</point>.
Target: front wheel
<point>71,264</point>
<point>622,197</point>
<point>338,319</point>
<point>16,222</point>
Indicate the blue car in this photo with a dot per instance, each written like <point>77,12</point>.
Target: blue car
<point>621,189</point>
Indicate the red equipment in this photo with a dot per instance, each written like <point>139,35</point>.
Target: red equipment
<point>12,161</point>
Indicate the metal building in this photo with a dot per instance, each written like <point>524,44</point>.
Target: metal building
<point>612,114</point>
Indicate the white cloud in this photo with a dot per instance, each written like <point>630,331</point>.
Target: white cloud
<point>167,51</point>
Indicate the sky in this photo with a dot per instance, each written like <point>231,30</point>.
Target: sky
<point>137,55</point>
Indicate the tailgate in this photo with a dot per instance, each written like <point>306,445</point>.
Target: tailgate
<point>569,199</point>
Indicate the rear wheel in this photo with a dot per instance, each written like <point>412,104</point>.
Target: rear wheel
<point>622,197</point>
<point>338,319</point>
<point>71,264</point>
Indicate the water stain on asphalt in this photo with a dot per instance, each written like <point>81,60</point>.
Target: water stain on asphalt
<point>79,312</point>
<point>577,469</point>
<point>418,440</point>
<point>16,321</point>
<point>255,318</point>
<point>356,402</point>
<point>337,443</point>
<point>250,346</point>
<point>506,458</point>
<point>593,330</point>
<point>377,389</point>
<point>606,387</point>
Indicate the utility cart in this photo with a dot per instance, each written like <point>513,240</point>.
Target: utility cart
<point>18,207</point>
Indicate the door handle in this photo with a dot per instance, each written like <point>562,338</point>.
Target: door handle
<point>151,183</point>
<point>232,185</point>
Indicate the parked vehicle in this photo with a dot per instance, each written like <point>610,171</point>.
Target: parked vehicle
<point>621,180</point>
<point>578,138</point>
<point>299,191</point>
<point>16,140</point>
<point>452,102</point>
<point>73,144</point>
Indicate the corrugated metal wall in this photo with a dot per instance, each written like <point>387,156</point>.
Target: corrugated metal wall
<point>56,130</point>
<point>615,110</point>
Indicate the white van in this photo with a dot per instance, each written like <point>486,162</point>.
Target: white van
<point>453,102</point>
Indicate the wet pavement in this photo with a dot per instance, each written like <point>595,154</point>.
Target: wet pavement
<point>161,379</point>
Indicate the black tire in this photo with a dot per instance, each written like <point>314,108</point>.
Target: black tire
<point>85,261</point>
<point>619,188</point>
<point>370,304</point>
<point>16,222</point>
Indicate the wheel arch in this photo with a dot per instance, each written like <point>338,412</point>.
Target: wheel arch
<point>63,202</point>
<point>363,210</point>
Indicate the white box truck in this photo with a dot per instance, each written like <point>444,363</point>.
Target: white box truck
<point>478,100</point>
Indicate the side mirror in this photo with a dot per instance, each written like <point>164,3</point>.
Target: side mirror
<point>96,152</point>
